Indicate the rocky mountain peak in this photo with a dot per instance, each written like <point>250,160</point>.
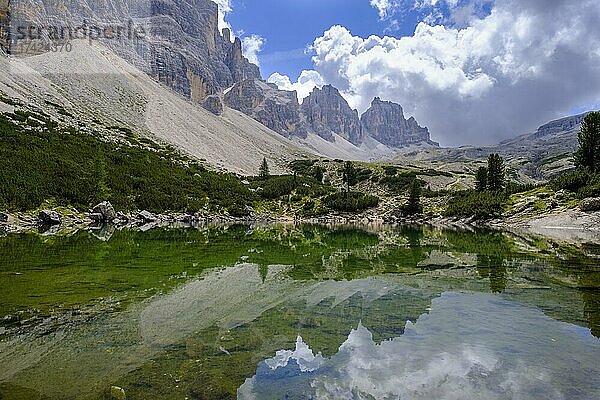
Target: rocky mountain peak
<point>277,109</point>
<point>328,113</point>
<point>384,121</point>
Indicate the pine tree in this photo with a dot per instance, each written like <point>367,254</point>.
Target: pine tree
<point>588,155</point>
<point>481,181</point>
<point>414,199</point>
<point>349,175</point>
<point>496,173</point>
<point>263,172</point>
<point>318,174</point>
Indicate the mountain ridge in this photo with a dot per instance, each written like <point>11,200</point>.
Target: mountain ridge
<point>183,48</point>
<point>326,113</point>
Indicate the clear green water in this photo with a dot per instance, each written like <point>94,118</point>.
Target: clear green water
<point>298,312</point>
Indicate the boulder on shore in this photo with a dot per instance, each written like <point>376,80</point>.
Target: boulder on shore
<point>105,211</point>
<point>50,217</point>
<point>591,204</point>
<point>146,216</point>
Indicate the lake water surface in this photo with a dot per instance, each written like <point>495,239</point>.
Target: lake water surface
<point>298,312</point>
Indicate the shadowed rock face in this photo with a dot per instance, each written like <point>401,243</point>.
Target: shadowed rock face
<point>385,122</point>
<point>328,113</point>
<point>181,45</point>
<point>277,109</point>
<point>560,125</point>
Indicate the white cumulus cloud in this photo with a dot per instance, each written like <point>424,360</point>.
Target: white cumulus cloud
<point>251,46</point>
<point>307,81</point>
<point>498,75</point>
<point>384,7</point>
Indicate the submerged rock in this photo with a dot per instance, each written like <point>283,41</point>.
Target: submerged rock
<point>3,217</point>
<point>50,217</point>
<point>104,233</point>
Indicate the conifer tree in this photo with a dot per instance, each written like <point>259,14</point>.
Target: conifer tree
<point>263,172</point>
<point>414,199</point>
<point>496,173</point>
<point>349,175</point>
<point>588,155</point>
<point>481,181</point>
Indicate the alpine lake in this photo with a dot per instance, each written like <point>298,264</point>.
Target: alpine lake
<point>298,312</point>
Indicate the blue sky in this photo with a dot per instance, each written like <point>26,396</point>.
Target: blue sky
<point>288,26</point>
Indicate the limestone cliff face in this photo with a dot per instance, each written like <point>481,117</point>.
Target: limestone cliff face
<point>181,44</point>
<point>384,121</point>
<point>325,113</point>
<point>561,125</point>
<point>328,113</point>
<point>274,108</point>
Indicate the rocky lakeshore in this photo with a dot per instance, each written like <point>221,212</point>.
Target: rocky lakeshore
<point>572,226</point>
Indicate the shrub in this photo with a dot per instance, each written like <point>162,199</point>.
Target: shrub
<point>275,187</point>
<point>363,174</point>
<point>573,181</point>
<point>390,170</point>
<point>302,167</point>
<point>592,190</point>
<point>278,186</point>
<point>400,183</point>
<point>81,170</point>
<point>481,205</point>
<point>307,168</point>
<point>351,201</point>
<point>312,208</point>
<point>513,188</point>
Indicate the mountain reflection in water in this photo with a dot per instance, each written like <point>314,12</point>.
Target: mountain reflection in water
<point>176,313</point>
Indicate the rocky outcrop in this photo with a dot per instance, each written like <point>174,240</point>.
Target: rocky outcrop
<point>180,45</point>
<point>560,125</point>
<point>277,109</point>
<point>50,217</point>
<point>213,104</point>
<point>384,121</point>
<point>177,43</point>
<point>328,113</point>
<point>146,216</point>
<point>590,204</point>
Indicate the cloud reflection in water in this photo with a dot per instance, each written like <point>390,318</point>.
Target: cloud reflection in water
<point>471,346</point>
